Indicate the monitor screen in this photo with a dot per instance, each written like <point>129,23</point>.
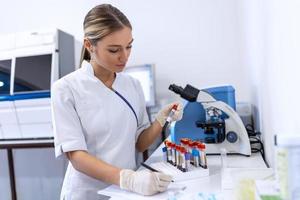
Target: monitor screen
<point>32,73</point>
<point>5,67</point>
<point>145,74</point>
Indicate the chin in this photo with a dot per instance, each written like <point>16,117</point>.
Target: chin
<point>119,70</point>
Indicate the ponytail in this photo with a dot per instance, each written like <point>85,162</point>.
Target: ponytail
<point>85,55</point>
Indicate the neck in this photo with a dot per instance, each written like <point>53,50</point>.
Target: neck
<point>105,76</point>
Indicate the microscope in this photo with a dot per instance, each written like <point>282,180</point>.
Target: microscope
<point>209,117</point>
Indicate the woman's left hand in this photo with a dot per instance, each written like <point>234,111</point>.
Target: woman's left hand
<point>163,114</point>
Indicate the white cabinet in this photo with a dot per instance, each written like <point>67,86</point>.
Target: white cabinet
<point>40,130</point>
<point>8,120</point>
<point>35,38</point>
<point>29,118</point>
<point>30,62</point>
<point>34,117</point>
<point>7,42</point>
<point>33,110</point>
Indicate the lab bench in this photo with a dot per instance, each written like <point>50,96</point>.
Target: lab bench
<point>254,166</point>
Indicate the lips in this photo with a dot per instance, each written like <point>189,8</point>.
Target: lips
<point>121,65</point>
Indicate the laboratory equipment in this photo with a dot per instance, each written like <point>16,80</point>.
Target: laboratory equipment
<point>287,165</point>
<point>169,151</point>
<point>226,179</point>
<point>29,63</point>
<point>207,118</point>
<point>178,160</point>
<point>168,121</point>
<point>203,160</point>
<point>179,175</point>
<point>5,68</point>
<point>183,156</point>
<point>165,153</point>
<point>223,158</point>
<point>195,155</point>
<point>183,160</point>
<point>145,75</point>
<point>35,59</point>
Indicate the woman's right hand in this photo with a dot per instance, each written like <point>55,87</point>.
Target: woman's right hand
<point>144,182</point>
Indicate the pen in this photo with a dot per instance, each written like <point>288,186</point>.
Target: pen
<point>148,167</point>
<point>151,168</point>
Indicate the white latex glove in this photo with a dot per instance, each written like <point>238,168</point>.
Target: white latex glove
<point>144,182</point>
<point>162,115</point>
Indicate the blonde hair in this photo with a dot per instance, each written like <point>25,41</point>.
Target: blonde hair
<point>99,22</point>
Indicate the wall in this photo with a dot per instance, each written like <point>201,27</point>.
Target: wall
<point>199,39</point>
<point>196,42</point>
<point>253,26</point>
<point>270,52</point>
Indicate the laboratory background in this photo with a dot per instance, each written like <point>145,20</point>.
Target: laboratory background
<point>250,49</point>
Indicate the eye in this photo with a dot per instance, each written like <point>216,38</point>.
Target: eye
<point>129,47</point>
<point>113,50</point>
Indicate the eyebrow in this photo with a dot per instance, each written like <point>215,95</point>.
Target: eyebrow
<point>116,45</point>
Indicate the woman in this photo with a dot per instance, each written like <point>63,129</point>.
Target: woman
<point>99,114</point>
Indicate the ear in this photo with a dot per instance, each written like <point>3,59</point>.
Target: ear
<point>88,45</point>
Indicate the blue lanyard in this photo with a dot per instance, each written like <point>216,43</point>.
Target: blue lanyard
<point>129,105</point>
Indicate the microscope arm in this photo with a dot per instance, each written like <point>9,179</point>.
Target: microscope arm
<point>204,96</point>
<point>234,123</point>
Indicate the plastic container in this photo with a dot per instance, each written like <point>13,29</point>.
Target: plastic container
<point>288,166</point>
<point>223,93</point>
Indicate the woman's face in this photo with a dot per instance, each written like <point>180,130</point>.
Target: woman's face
<point>112,51</point>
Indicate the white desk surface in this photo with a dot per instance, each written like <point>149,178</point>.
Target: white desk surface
<point>249,167</point>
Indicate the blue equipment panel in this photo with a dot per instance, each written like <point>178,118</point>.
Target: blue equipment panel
<point>186,127</point>
<point>223,93</point>
<point>30,95</point>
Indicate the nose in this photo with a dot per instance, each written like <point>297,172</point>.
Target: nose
<point>123,56</point>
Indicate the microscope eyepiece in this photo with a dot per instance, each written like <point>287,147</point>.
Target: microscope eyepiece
<point>175,88</point>
<point>189,93</point>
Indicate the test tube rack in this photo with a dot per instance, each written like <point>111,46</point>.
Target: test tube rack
<point>178,175</point>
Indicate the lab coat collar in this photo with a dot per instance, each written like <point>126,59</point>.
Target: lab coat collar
<point>87,68</point>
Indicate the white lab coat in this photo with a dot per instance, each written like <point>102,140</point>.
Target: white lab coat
<point>89,116</point>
